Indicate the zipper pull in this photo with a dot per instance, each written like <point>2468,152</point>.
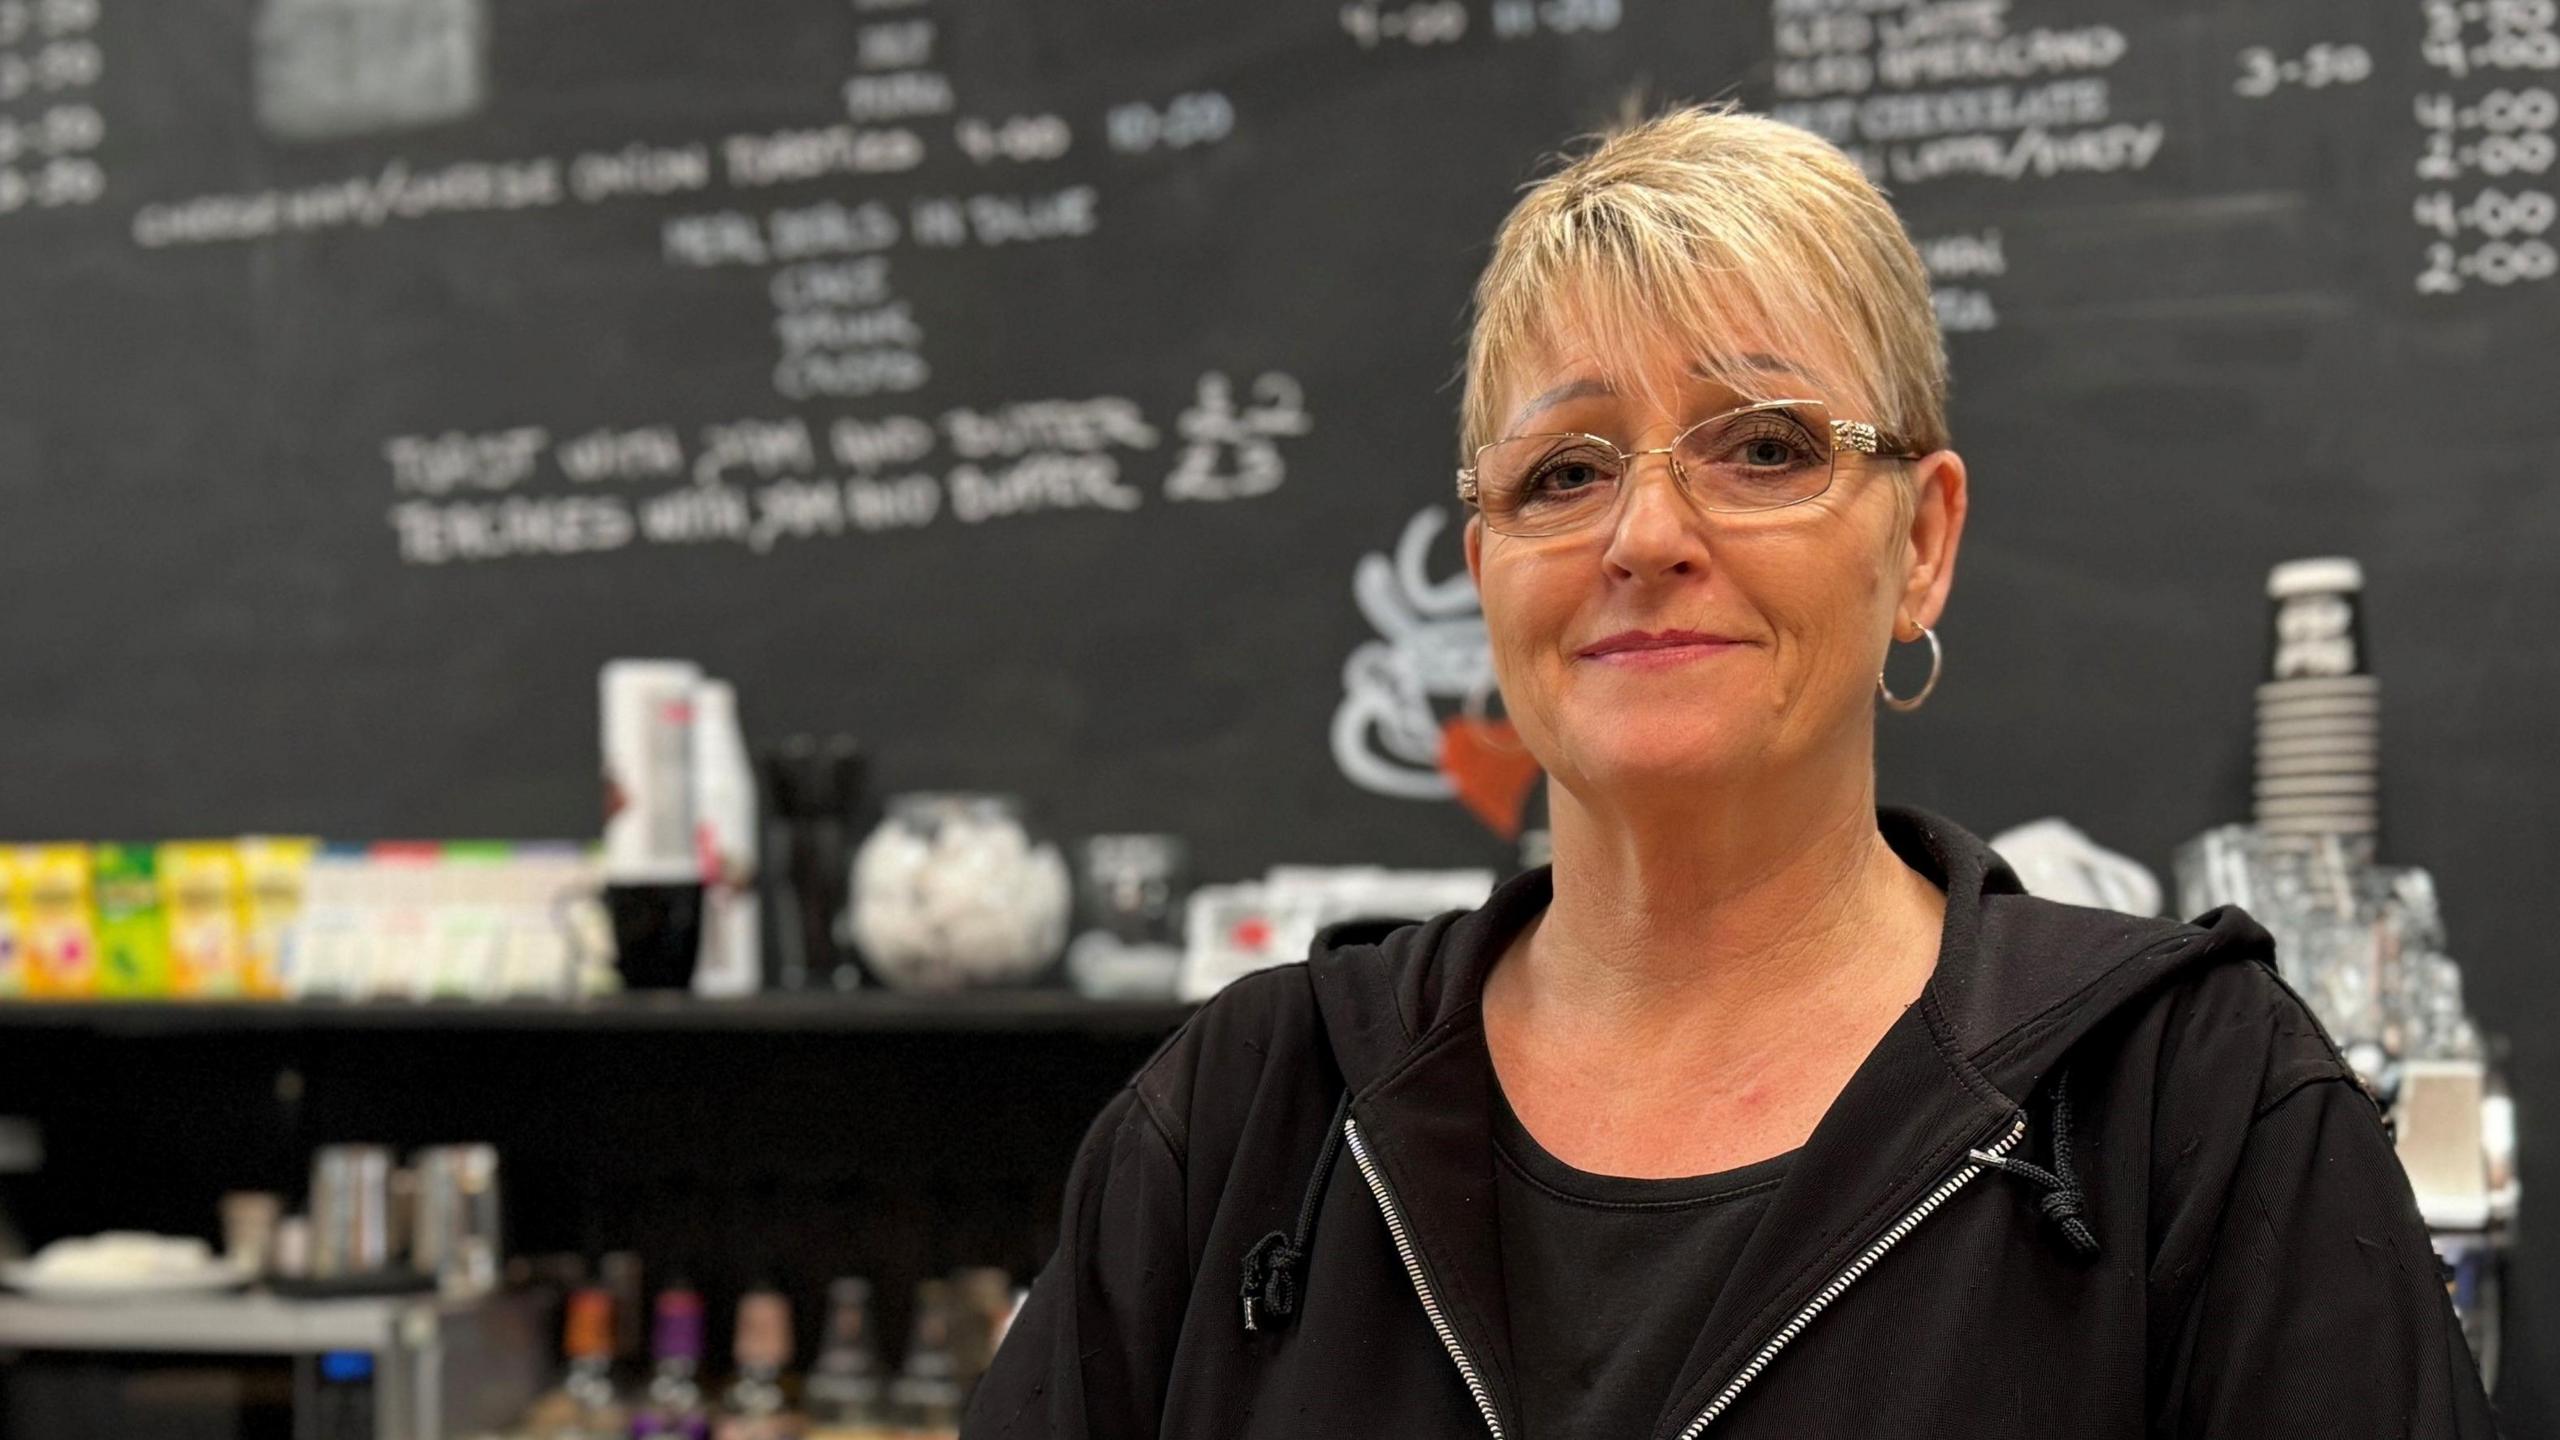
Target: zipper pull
<point>2060,1198</point>
<point>2010,1133</point>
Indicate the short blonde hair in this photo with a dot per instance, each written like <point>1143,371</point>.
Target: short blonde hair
<point>1691,224</point>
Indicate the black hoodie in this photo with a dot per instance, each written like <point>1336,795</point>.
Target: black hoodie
<point>2107,1177</point>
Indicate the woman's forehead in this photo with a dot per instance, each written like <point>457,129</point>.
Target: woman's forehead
<point>1579,354</point>
<point>1748,375</point>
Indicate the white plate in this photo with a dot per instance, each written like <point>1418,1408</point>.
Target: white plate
<point>212,1279</point>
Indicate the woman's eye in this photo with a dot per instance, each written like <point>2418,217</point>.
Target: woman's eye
<point>1568,473</point>
<point>1770,446</point>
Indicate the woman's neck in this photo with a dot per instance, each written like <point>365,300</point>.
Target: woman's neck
<point>1719,953</point>
<point>1759,888</point>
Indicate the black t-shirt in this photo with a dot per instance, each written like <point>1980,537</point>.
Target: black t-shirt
<point>1609,1279</point>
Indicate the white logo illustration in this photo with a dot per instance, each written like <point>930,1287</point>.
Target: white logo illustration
<point>1431,646</point>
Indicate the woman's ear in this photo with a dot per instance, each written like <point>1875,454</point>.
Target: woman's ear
<point>1475,548</point>
<point>1936,529</point>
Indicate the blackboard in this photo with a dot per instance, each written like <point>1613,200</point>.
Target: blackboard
<point>1022,388</point>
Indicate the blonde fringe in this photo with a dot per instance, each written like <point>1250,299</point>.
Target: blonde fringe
<point>1693,226</point>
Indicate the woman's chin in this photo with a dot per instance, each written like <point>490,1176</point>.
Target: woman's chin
<point>1632,756</point>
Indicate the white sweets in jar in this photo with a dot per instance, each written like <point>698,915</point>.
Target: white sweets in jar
<point>951,891</point>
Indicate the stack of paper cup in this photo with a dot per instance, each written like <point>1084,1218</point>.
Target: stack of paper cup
<point>2319,713</point>
<point>648,771</point>
<point>652,869</point>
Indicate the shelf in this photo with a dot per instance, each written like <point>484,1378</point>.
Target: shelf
<point>1023,1011</point>
<point>210,1324</point>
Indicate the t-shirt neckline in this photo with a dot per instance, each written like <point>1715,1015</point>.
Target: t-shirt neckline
<point>1534,1163</point>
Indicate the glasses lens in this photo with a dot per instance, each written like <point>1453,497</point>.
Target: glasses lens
<point>1546,484</point>
<point>1760,458</point>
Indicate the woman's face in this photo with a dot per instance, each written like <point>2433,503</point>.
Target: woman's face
<point>1665,643</point>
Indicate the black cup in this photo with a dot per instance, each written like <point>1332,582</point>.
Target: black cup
<point>657,934</point>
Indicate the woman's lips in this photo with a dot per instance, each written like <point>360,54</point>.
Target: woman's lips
<point>1639,650</point>
<point>1662,657</point>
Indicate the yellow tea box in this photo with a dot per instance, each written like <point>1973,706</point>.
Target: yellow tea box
<point>274,871</point>
<point>56,926</point>
<point>200,889</point>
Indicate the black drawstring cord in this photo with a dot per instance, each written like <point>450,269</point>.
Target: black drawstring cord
<point>1271,1266</point>
<point>2061,1201</point>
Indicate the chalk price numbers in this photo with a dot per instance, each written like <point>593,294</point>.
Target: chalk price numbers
<point>1373,23</point>
<point>2262,72</point>
<point>2505,134</point>
<point>47,58</point>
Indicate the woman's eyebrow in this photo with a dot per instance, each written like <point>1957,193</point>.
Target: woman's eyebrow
<point>1755,360</point>
<point>1569,390</point>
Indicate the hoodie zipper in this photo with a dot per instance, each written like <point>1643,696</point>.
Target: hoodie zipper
<point>1760,1362</point>
<point>1841,1282</point>
<point>1413,1271</point>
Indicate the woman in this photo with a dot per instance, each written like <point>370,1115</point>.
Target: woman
<point>1764,1111</point>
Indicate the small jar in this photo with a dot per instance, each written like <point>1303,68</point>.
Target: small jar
<point>1131,944</point>
<point>953,890</point>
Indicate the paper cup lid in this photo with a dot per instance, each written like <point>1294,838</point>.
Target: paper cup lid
<point>2322,575</point>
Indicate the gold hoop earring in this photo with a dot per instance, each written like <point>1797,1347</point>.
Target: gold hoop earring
<point>1937,662</point>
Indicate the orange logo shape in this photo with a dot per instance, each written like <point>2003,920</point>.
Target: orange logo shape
<point>1491,770</point>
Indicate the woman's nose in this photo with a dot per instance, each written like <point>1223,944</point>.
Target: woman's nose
<point>1657,531</point>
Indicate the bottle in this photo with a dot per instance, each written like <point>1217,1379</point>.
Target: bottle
<point>844,1391</point>
<point>926,1395</point>
<point>673,1405</point>
<point>587,1405</point>
<point>619,1274</point>
<point>342,1402</point>
<point>814,789</point>
<point>754,1406</point>
<point>981,1307</point>
<point>590,1350</point>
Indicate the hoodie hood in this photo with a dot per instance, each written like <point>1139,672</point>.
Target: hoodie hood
<point>2018,981</point>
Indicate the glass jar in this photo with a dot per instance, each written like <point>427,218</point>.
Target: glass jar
<point>1131,944</point>
<point>953,890</point>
